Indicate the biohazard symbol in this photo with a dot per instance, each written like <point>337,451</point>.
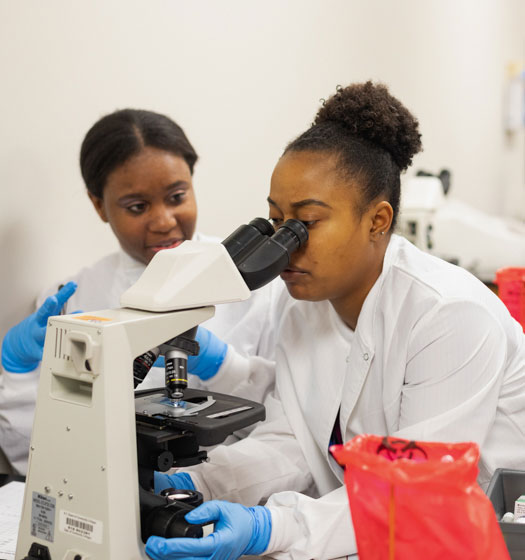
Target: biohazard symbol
<point>401,449</point>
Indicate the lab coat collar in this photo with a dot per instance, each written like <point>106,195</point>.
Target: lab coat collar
<point>130,268</point>
<point>365,322</point>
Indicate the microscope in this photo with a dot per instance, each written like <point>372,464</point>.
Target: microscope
<point>96,443</point>
<point>436,222</point>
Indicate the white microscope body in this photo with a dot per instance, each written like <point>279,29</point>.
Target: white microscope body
<point>452,230</point>
<point>81,499</point>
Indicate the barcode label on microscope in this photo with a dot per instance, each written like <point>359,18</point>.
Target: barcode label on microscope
<point>80,526</point>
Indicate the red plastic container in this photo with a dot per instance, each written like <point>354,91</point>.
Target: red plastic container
<point>511,290</point>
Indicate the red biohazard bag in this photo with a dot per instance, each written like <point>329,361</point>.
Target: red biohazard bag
<point>418,501</point>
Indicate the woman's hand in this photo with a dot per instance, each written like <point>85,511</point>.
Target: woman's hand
<point>23,344</point>
<point>238,531</point>
<point>211,355</point>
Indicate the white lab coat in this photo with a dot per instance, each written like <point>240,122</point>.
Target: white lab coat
<point>244,325</point>
<point>435,356</point>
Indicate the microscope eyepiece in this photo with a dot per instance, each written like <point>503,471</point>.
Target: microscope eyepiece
<point>261,253</point>
<point>264,226</point>
<point>292,234</point>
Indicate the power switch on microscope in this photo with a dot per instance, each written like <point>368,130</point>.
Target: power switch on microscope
<point>38,552</point>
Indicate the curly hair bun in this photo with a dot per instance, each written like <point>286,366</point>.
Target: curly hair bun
<point>369,112</point>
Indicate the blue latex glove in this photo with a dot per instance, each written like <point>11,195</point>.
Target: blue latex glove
<point>212,353</point>
<point>238,531</point>
<point>181,481</point>
<point>23,344</point>
<point>159,362</point>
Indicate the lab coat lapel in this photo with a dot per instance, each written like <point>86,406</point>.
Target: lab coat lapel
<point>328,389</point>
<point>320,393</point>
<point>359,362</point>
<point>126,274</point>
<point>362,353</point>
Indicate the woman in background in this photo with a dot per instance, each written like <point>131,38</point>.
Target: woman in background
<point>137,166</point>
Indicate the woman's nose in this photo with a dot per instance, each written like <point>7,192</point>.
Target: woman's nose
<point>163,219</point>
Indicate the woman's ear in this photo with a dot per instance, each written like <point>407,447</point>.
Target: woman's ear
<point>382,216</point>
<point>98,203</point>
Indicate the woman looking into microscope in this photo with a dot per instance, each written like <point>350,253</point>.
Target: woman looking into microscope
<point>380,338</point>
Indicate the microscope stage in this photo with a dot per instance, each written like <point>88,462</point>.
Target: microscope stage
<point>212,417</point>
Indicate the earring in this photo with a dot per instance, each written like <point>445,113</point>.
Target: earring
<point>382,233</point>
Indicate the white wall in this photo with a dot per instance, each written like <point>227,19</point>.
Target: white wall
<point>243,78</point>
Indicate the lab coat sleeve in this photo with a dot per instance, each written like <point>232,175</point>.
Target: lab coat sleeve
<point>305,527</point>
<point>17,406</point>
<point>250,378</point>
<point>254,334</point>
<point>250,471</point>
<point>269,467</point>
<point>453,376</point>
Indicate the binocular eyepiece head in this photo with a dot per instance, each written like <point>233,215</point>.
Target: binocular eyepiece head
<point>261,253</point>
